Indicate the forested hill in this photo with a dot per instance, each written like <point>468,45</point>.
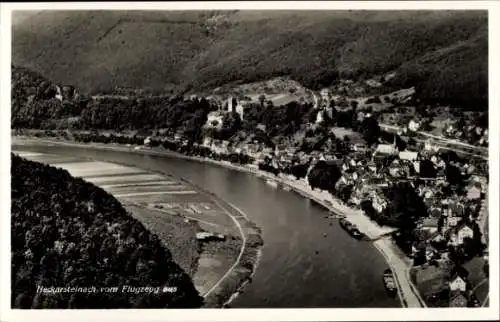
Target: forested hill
<point>69,233</point>
<point>442,53</point>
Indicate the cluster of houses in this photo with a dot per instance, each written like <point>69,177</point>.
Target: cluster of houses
<point>215,118</point>
<point>473,134</point>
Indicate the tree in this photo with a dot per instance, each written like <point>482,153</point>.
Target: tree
<point>453,175</point>
<point>262,99</point>
<point>324,176</point>
<point>370,130</point>
<point>427,169</point>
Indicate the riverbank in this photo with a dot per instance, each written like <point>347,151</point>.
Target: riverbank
<point>371,229</point>
<point>219,268</point>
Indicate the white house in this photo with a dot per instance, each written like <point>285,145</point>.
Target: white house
<point>458,283</point>
<point>388,149</point>
<point>416,166</point>
<point>240,110</point>
<point>319,117</point>
<point>408,155</point>
<point>462,232</point>
<point>214,120</point>
<point>428,146</point>
<point>59,95</point>
<point>474,193</point>
<point>413,126</point>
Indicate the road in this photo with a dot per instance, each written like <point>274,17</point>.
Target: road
<point>483,219</point>
<point>408,293</point>
<point>445,143</point>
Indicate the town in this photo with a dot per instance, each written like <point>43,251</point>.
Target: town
<point>428,191</point>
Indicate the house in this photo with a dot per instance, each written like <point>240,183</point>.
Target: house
<point>474,193</point>
<point>431,252</point>
<point>386,149</point>
<point>372,166</point>
<point>361,147</point>
<point>319,117</point>
<point>458,299</point>
<point>395,171</point>
<point>458,279</point>
<point>413,126</point>
<point>429,224</point>
<point>460,233</point>
<point>215,120</point>
<point>452,221</point>
<point>428,146</point>
<point>457,208</point>
<point>408,155</point>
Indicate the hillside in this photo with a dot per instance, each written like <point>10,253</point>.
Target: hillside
<point>69,233</point>
<point>443,53</point>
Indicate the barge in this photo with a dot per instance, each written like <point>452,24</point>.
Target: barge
<point>350,228</point>
<point>390,282</point>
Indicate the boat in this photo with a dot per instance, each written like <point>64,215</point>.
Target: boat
<point>345,224</point>
<point>272,183</point>
<point>356,233</point>
<point>390,282</point>
<point>351,228</point>
<point>286,188</point>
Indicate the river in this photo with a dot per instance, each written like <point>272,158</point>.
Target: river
<point>300,267</point>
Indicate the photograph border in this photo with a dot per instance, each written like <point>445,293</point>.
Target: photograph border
<point>397,314</point>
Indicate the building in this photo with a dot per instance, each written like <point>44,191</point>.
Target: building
<point>240,110</point>
<point>147,141</point>
<point>325,96</point>
<point>59,94</point>
<point>429,224</point>
<point>319,117</point>
<point>214,120</point>
<point>458,299</point>
<point>474,193</point>
<point>428,146</point>
<point>387,149</point>
<point>413,126</point>
<point>461,232</point>
<point>458,279</point>
<point>231,104</point>
<point>408,155</point>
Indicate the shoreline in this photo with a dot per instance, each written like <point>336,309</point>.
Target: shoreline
<point>407,291</point>
<point>228,286</point>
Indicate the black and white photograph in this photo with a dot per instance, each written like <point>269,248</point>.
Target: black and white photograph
<point>231,156</point>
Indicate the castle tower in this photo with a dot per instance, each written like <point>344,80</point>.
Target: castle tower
<point>230,104</point>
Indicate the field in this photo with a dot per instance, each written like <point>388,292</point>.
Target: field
<point>177,234</point>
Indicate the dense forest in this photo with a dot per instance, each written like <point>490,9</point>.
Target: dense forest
<point>67,232</point>
<point>442,53</point>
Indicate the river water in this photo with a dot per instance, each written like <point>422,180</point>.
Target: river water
<point>300,267</point>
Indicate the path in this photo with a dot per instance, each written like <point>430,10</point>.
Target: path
<point>443,140</point>
<point>409,295</point>
<point>238,259</point>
